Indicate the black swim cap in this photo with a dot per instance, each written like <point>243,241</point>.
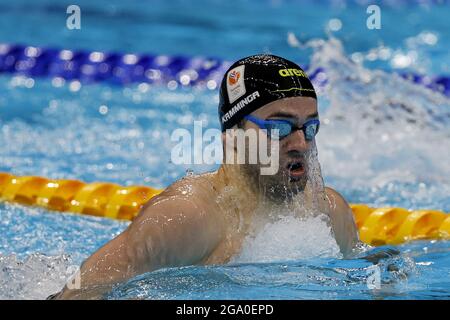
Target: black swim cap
<point>253,82</point>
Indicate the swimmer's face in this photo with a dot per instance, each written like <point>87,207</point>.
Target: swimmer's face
<point>294,148</point>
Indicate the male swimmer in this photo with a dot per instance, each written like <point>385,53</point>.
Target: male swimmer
<point>203,219</point>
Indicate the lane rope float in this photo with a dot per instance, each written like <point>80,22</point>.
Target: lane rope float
<point>123,68</point>
<point>377,226</point>
<point>98,198</point>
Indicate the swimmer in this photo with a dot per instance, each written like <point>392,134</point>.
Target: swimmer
<point>203,219</point>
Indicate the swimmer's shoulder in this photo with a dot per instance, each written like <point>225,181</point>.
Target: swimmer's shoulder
<point>343,222</point>
<point>176,227</point>
<point>194,186</point>
<point>339,208</point>
<point>336,200</point>
<point>199,190</point>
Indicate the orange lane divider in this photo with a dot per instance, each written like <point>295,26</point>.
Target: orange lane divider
<point>377,226</point>
<point>98,198</point>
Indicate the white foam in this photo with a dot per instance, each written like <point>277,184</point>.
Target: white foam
<point>290,238</point>
<point>380,130</point>
<point>36,277</point>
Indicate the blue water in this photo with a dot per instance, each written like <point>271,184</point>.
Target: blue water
<point>122,134</point>
<point>232,29</point>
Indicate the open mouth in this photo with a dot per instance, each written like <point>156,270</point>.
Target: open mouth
<point>296,169</point>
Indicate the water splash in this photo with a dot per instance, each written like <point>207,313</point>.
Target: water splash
<point>289,238</point>
<point>380,131</point>
<point>35,277</point>
<point>317,278</point>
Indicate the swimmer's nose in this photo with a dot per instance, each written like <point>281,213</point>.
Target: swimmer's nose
<point>296,142</point>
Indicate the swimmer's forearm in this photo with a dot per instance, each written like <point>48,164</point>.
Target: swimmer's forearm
<point>82,294</point>
<point>90,288</point>
<point>100,272</point>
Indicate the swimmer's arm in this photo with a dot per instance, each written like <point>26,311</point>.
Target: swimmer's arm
<point>343,222</point>
<point>108,265</point>
<point>167,233</point>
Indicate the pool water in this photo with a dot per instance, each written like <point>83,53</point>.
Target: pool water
<point>384,141</point>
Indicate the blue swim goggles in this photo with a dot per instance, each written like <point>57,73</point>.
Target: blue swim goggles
<point>285,127</point>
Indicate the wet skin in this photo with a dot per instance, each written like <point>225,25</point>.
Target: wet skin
<point>203,219</point>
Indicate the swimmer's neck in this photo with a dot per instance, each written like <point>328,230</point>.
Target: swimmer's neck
<point>244,193</point>
<point>233,182</point>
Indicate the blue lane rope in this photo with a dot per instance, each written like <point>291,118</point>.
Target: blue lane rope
<point>123,69</point>
<point>116,68</point>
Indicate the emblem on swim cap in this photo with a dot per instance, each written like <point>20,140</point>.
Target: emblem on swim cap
<point>255,81</point>
<point>235,84</point>
<point>233,77</point>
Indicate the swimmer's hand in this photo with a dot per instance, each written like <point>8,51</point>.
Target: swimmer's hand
<point>168,232</point>
<point>385,253</point>
<point>53,296</point>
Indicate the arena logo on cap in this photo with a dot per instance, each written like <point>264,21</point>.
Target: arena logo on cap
<point>292,72</point>
<point>235,83</point>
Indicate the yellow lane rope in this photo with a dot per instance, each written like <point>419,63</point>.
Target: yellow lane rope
<point>377,226</point>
